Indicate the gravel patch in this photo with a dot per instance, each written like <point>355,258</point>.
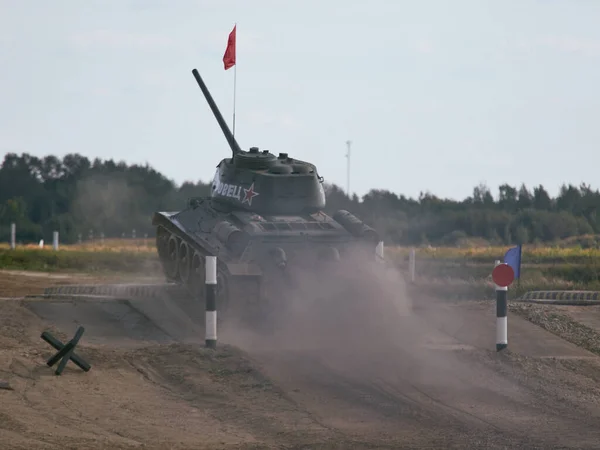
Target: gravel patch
<point>547,317</point>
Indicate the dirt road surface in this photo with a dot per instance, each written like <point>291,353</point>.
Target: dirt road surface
<point>335,376</point>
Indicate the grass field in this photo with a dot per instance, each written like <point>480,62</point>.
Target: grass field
<point>467,272</point>
<point>455,272</point>
<point>115,255</point>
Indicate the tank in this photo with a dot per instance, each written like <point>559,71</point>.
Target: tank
<point>265,223</point>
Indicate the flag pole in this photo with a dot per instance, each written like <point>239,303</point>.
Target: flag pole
<point>234,85</point>
<point>234,82</point>
<point>229,61</point>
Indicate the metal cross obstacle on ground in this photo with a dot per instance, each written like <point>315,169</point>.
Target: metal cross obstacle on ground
<point>66,352</point>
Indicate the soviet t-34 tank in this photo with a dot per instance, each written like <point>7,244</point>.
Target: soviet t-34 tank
<point>263,221</point>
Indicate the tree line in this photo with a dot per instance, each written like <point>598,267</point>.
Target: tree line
<point>77,196</point>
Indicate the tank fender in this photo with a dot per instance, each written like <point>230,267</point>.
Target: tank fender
<point>356,226</point>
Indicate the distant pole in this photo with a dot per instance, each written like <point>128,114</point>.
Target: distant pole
<point>411,264</point>
<point>348,144</point>
<point>379,252</point>
<point>55,240</point>
<point>13,236</point>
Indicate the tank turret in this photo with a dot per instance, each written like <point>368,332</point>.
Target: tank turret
<point>259,181</point>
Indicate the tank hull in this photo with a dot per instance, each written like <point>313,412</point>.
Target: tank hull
<point>261,260</point>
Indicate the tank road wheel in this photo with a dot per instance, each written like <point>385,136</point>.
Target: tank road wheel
<point>197,276</point>
<point>171,261</point>
<point>184,262</point>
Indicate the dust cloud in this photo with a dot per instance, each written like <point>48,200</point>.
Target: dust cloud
<point>352,299</point>
<point>99,203</point>
<point>357,316</point>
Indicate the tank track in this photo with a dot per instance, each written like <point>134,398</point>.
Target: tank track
<point>183,263</point>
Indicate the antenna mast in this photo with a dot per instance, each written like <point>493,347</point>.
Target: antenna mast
<point>348,144</point>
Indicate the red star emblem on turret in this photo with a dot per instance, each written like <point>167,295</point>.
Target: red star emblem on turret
<point>249,194</point>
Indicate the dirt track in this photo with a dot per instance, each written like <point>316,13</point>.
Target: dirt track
<point>401,384</point>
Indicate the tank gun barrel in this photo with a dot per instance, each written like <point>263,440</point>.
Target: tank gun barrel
<point>235,148</point>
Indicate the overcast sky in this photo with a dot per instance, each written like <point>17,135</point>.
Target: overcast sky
<point>434,95</point>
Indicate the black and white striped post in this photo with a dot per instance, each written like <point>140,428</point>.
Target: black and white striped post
<point>503,275</point>
<point>501,316</point>
<point>211,302</point>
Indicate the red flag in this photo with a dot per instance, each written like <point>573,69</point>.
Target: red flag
<point>229,56</point>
